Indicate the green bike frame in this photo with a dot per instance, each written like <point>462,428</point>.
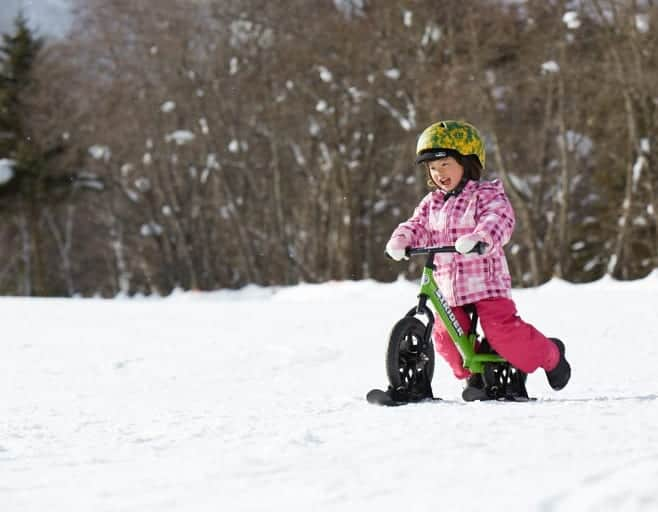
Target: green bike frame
<point>465,342</point>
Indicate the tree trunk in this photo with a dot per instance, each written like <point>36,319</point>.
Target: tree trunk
<point>34,219</point>
<point>63,240</point>
<point>528,233</point>
<point>616,266</point>
<point>562,253</point>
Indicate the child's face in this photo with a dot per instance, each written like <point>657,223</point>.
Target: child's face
<point>446,173</point>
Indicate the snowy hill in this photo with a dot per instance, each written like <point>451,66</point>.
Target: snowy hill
<point>254,400</point>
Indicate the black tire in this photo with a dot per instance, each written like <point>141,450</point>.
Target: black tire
<point>504,382</point>
<point>409,357</point>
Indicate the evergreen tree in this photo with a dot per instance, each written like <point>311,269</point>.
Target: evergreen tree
<point>35,175</point>
<point>17,56</point>
<point>20,194</point>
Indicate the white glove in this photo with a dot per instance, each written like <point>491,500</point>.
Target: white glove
<point>396,248</point>
<point>466,243</point>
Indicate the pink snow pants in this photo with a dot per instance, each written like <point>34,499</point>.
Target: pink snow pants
<point>520,343</point>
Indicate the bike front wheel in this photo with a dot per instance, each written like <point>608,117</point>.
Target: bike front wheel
<point>410,355</point>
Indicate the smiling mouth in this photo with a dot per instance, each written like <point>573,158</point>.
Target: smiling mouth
<point>444,182</point>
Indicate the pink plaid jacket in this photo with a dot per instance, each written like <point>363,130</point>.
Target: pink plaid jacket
<point>482,208</point>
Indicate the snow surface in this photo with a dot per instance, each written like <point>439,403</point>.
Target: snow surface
<point>254,400</point>
<point>168,106</point>
<point>181,137</point>
<point>571,19</point>
<point>6,170</point>
<point>642,23</point>
<point>99,152</point>
<point>550,67</point>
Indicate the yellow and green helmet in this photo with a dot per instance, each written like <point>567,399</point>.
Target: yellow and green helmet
<point>438,139</point>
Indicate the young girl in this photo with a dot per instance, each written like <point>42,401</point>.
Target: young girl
<point>462,211</point>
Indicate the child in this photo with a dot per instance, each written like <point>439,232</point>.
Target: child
<point>462,211</point>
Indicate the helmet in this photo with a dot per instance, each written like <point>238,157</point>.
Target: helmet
<point>439,139</point>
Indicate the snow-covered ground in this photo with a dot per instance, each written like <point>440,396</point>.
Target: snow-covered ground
<point>254,400</point>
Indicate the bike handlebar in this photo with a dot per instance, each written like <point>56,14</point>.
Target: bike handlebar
<point>479,248</point>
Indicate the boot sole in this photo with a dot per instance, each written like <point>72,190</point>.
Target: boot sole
<point>475,395</point>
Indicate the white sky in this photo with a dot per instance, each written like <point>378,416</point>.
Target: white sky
<point>50,17</point>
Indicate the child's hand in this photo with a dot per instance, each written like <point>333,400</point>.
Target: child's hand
<point>466,243</point>
<point>396,248</point>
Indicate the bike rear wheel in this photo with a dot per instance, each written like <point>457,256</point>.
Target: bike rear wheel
<point>504,382</point>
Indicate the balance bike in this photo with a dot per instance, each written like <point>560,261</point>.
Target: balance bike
<point>410,351</point>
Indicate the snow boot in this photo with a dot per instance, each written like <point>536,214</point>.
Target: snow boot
<point>475,389</point>
<point>559,376</point>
